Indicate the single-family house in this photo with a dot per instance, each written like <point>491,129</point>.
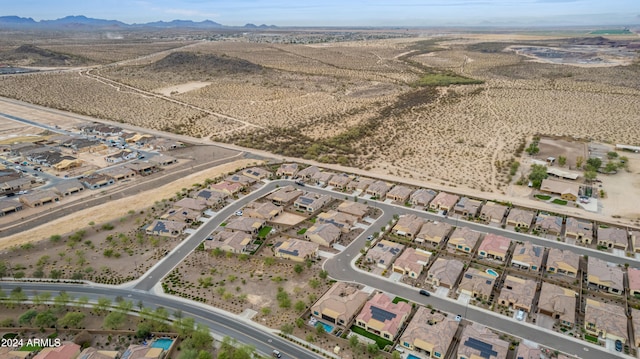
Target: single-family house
<point>119,173</point>
<point>411,262</point>
<point>579,229</point>
<point>295,249</point>
<point>211,198</point>
<point>383,253</point>
<point>382,317</point>
<point>196,204</point>
<point>422,197</point>
<point>605,276</point>
<point>613,237</point>
<point>287,170</point>
<point>340,304</point>
<point>467,207</point>
<point>444,272</point>
<point>256,173</point>
<point>492,212</point>
<point>181,215</point>
<point>8,206</point>
<point>324,234</point>
<point>520,218</point>
<point>635,241</point>
<point>341,220</point>
<point>477,284</point>
<point>266,211</point>
<point>558,303</point>
<point>233,242</point>
<point>355,209</point>
<point>527,256</point>
<point>607,321</point>
<point>228,188</point>
<point>245,181</point>
<point>245,224</point>
<point>478,341</point>
<point>633,274</point>
<point>568,191</point>
<point>399,193</point>
<point>142,168</point>
<point>284,196</point>
<point>121,156</point>
<point>308,172</point>
<point>360,184</point>
<point>66,350</point>
<point>463,239</point>
<point>429,333</point>
<point>39,198</point>
<point>165,228</point>
<point>494,247</point>
<point>433,233</point>
<point>528,350</point>
<point>408,226</point>
<point>518,293</point>
<point>322,178</point>
<point>340,181</point>
<point>378,189</point>
<point>548,224</point>
<point>162,160</point>
<point>444,201</point>
<point>311,202</point>
<point>97,180</point>
<point>563,262</point>
<point>68,187</point>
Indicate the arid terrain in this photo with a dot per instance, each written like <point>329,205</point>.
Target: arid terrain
<point>451,110</point>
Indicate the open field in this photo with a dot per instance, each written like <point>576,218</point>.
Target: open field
<point>362,103</point>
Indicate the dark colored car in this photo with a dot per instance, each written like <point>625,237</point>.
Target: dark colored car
<point>618,346</point>
<point>424,292</point>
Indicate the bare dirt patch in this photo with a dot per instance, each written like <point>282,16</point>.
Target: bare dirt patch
<point>182,88</point>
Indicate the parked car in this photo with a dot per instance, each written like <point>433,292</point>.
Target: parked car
<point>618,345</point>
<point>424,292</point>
<point>370,238</point>
<point>520,315</point>
<point>276,354</point>
<point>458,318</point>
<point>239,213</point>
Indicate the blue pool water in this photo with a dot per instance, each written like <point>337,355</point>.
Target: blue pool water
<point>411,356</point>
<point>163,343</point>
<point>327,328</point>
<point>492,273</point>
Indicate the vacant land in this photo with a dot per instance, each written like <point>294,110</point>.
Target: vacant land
<point>452,111</point>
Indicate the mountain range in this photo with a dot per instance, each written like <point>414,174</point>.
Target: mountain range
<point>81,22</point>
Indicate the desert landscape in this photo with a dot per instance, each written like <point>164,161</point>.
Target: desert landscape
<point>469,102</point>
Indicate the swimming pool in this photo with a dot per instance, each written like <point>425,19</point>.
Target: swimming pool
<point>327,328</point>
<point>163,343</point>
<point>491,272</point>
<point>411,356</point>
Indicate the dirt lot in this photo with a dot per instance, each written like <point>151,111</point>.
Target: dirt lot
<point>239,282</point>
<point>570,149</point>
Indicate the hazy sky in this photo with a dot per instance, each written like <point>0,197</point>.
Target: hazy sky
<point>340,12</point>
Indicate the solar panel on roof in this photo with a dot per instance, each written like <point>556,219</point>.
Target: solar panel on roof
<point>381,314</point>
<point>306,200</point>
<point>293,252</point>
<point>467,275</point>
<point>488,282</point>
<point>486,349</point>
<point>537,251</point>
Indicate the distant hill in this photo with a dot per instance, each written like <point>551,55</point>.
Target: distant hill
<point>83,22</point>
<point>189,62</point>
<point>30,55</point>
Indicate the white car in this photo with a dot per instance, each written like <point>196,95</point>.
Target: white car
<point>520,315</point>
<point>239,213</point>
